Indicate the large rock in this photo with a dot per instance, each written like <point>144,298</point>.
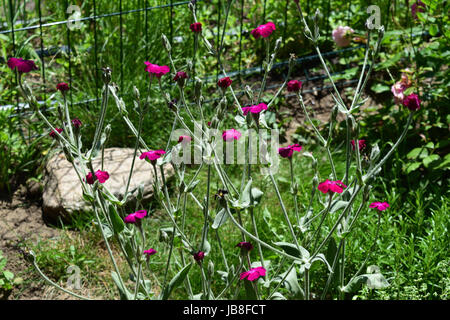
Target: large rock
<point>62,194</point>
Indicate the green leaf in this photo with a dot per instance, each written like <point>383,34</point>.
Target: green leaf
<point>124,293</point>
<point>337,205</point>
<point>292,249</point>
<point>175,282</point>
<point>291,282</point>
<point>117,222</point>
<point>220,219</point>
<point>410,167</point>
<point>430,159</point>
<point>378,88</point>
<point>417,152</point>
<point>8,275</point>
<point>434,29</point>
<point>250,290</point>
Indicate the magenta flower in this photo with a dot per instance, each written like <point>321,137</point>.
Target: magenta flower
<point>245,245</point>
<point>331,186</point>
<point>53,133</point>
<point>23,66</point>
<point>101,176</point>
<point>412,102</point>
<point>231,134</point>
<point>254,109</point>
<point>196,27</point>
<point>253,274</point>
<point>288,151</point>
<point>263,30</point>
<point>381,206</point>
<point>76,123</point>
<point>62,86</point>
<point>224,82</point>
<point>135,217</point>
<point>294,86</point>
<point>361,144</point>
<point>184,139</point>
<point>152,155</point>
<point>199,256</point>
<point>417,6</point>
<point>342,36</point>
<point>157,71</point>
<point>149,252</point>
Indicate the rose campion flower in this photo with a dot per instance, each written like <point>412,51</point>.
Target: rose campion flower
<point>76,123</point>
<point>331,186</point>
<point>245,245</point>
<point>253,274</point>
<point>342,36</point>
<point>150,252</point>
<point>184,139</point>
<point>417,6</point>
<point>294,86</point>
<point>263,30</point>
<point>157,71</point>
<point>288,151</point>
<point>361,144</point>
<point>53,133</point>
<point>152,155</point>
<point>412,102</point>
<point>254,109</point>
<point>101,176</point>
<point>196,27</point>
<point>381,206</point>
<point>231,134</point>
<point>62,86</point>
<point>135,217</point>
<point>23,66</point>
<point>199,256</point>
<point>224,82</point>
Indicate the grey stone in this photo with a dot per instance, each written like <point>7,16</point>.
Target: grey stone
<point>62,194</point>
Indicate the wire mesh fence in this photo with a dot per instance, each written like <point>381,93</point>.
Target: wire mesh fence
<point>72,40</point>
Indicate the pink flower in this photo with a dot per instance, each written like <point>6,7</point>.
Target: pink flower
<point>412,102</point>
<point>62,86</point>
<point>381,206</point>
<point>101,176</point>
<point>253,274</point>
<point>294,86</point>
<point>199,256</point>
<point>254,109</point>
<point>149,252</point>
<point>184,139</point>
<point>156,70</point>
<point>196,27</point>
<point>331,186</point>
<point>361,144</point>
<point>152,155</point>
<point>231,134</point>
<point>417,6</point>
<point>397,90</point>
<point>135,217</point>
<point>342,36</point>
<point>53,133</point>
<point>23,66</point>
<point>263,30</point>
<point>288,151</point>
<point>224,82</point>
<point>76,123</point>
<point>245,245</point>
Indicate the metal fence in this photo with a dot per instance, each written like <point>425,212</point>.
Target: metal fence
<point>16,20</point>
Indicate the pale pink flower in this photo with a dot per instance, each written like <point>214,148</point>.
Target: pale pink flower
<point>342,36</point>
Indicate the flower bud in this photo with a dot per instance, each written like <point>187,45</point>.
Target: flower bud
<point>198,88</point>
<point>210,268</point>
<point>106,75</point>
<point>166,43</point>
<point>137,95</point>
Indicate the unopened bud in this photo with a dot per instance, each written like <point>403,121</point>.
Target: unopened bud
<point>137,95</point>
<point>198,88</point>
<point>166,43</point>
<point>106,75</point>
